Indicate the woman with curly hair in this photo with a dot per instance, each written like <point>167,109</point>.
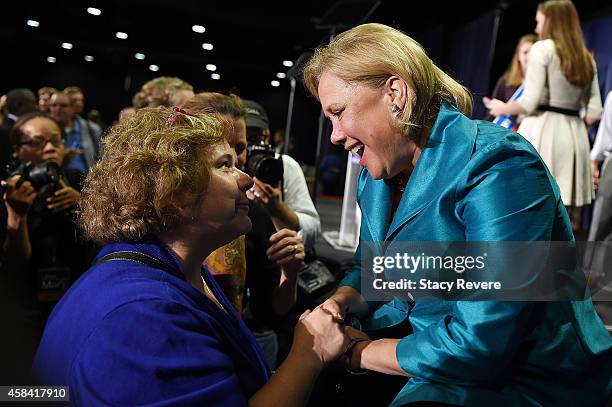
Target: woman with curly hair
<point>147,324</point>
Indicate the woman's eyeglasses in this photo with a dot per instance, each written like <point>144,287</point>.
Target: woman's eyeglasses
<point>37,143</point>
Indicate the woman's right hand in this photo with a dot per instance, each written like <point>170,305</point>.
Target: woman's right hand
<point>334,307</point>
<point>320,337</point>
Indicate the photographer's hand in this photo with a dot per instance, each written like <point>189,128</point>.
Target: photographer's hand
<point>271,198</point>
<point>19,196</point>
<point>64,198</point>
<point>287,250</point>
<point>265,194</point>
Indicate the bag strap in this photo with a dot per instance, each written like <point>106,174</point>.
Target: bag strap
<point>137,257</point>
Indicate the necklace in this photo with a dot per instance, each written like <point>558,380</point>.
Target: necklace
<point>400,183</point>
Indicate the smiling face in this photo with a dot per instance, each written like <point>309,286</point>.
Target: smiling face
<point>361,117</point>
<point>223,211</point>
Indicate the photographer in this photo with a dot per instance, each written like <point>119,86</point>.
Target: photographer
<point>286,198</point>
<point>42,254</point>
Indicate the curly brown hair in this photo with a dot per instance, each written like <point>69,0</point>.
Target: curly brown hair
<point>148,172</point>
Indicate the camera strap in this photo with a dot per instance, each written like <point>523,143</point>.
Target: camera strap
<point>141,258</point>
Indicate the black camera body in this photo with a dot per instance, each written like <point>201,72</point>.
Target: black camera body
<point>263,163</point>
<point>44,178</point>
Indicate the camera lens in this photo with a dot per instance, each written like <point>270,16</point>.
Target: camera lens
<point>266,168</point>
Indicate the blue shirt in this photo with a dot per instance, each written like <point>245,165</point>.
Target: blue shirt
<point>73,140</point>
<point>128,334</point>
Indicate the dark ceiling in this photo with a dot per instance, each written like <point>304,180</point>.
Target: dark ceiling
<point>250,39</point>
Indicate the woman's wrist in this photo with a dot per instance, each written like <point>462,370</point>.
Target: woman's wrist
<point>14,220</point>
<point>306,359</point>
<point>356,354</point>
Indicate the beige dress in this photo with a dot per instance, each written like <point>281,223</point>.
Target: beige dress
<point>561,140</point>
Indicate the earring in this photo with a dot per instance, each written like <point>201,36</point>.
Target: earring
<point>394,108</point>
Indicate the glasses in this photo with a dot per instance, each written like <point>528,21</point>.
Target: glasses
<point>173,115</point>
<point>62,105</point>
<point>38,143</point>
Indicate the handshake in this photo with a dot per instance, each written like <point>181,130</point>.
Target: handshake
<point>321,335</point>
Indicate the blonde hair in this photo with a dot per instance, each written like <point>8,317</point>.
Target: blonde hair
<point>562,25</point>
<point>160,91</point>
<point>213,102</point>
<point>147,172</point>
<point>370,53</point>
<point>514,73</point>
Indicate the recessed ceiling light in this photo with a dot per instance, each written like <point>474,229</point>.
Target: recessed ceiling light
<point>211,67</point>
<point>154,68</point>
<point>94,11</point>
<point>51,60</point>
<point>198,29</point>
<point>287,63</point>
<point>215,76</point>
<point>33,23</point>
<point>89,58</point>
<point>66,45</point>
<point>275,83</point>
<point>140,56</point>
<point>121,35</point>
<point>281,75</point>
<point>207,46</point>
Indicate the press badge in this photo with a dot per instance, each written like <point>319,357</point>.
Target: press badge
<point>52,283</point>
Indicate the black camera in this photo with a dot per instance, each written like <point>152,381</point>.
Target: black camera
<point>263,164</point>
<point>44,178</point>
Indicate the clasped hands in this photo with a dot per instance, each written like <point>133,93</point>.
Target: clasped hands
<point>323,333</point>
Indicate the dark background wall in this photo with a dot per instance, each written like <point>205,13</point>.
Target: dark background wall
<point>457,35</point>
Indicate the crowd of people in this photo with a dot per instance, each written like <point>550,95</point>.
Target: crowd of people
<point>152,262</point>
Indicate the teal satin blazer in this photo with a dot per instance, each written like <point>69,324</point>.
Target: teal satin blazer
<point>477,181</point>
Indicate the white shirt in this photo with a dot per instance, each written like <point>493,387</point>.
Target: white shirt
<point>603,142</point>
<point>297,198</point>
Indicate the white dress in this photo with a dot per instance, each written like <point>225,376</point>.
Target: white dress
<point>561,140</point>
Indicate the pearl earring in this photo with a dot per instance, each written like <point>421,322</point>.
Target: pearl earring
<point>394,108</point>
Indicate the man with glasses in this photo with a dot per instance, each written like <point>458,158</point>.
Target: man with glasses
<point>82,136</point>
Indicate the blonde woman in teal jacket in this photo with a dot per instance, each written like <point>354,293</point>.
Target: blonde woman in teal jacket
<point>432,174</point>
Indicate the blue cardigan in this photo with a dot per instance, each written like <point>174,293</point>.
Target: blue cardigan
<point>477,181</point>
<point>128,334</point>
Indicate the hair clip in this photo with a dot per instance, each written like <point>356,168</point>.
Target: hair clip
<point>172,117</point>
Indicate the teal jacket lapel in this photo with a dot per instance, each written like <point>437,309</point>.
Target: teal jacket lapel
<point>448,150</point>
<point>374,198</point>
